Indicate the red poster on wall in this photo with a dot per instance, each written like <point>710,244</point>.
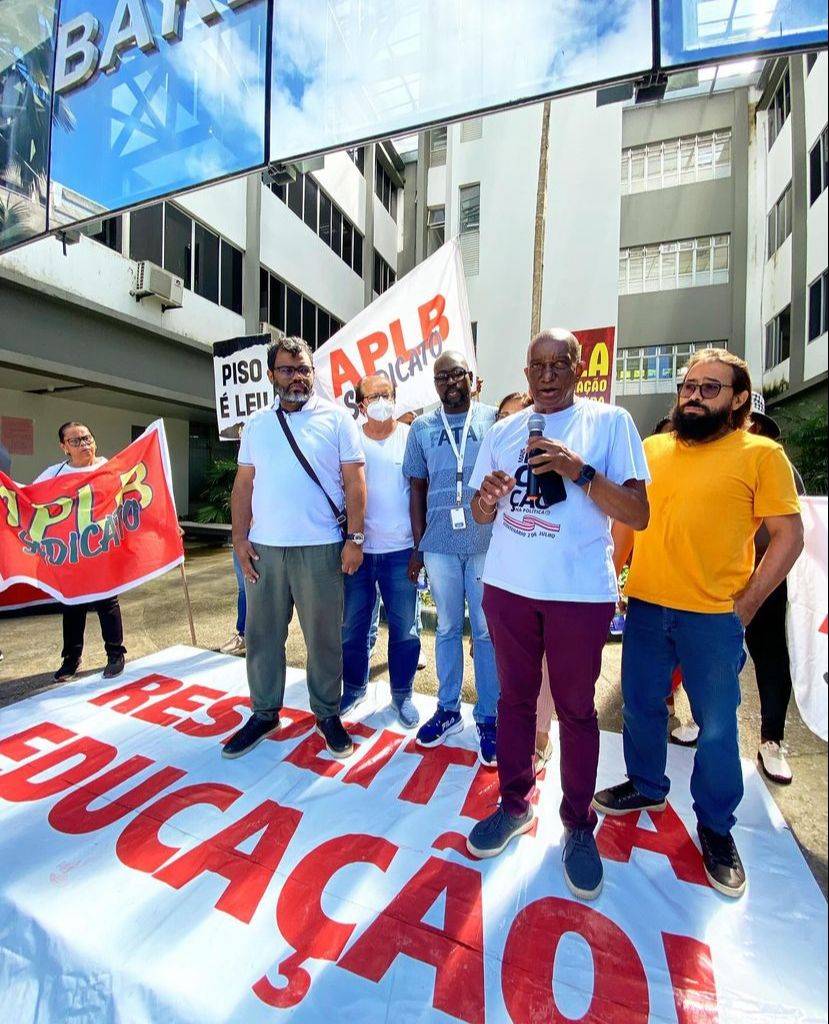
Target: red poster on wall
<point>84,536</point>
<point>597,351</point>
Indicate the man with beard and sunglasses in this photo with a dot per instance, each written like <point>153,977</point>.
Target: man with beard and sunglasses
<point>692,590</point>
<point>289,542</point>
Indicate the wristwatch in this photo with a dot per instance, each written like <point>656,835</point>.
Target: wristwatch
<point>356,538</point>
<point>586,475</point>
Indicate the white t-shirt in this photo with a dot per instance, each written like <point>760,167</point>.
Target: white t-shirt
<point>64,469</point>
<point>388,525</point>
<point>289,509</point>
<point>561,551</point>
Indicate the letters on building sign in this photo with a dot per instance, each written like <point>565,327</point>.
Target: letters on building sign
<point>84,47</point>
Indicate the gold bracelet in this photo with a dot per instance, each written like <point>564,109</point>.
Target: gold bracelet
<point>484,511</point>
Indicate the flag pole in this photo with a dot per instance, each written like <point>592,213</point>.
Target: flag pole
<point>189,605</point>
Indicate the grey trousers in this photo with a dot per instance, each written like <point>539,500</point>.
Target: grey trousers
<point>311,578</point>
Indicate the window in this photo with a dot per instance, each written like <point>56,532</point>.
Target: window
<point>472,129</point>
<point>276,303</point>
<point>780,107</point>
<point>178,243</point>
<point>337,231</point>
<point>206,263</point>
<point>655,369</point>
<point>779,222</point>
<point>358,156</point>
<point>348,242</point>
<point>110,233</point>
<point>295,190</point>
<point>687,263</point>
<point>147,233</point>
<point>384,276</point>
<point>819,166</point>
<point>470,208</point>
<point>818,296</point>
<point>811,60</point>
<point>435,228</point>
<point>264,311</point>
<point>293,317</point>
<point>659,165</point>
<point>230,264</point>
<point>778,338</point>
<point>325,219</point>
<point>311,202</point>
<point>357,262</point>
<point>292,312</point>
<point>309,322</point>
<point>437,140</point>
<point>386,189</point>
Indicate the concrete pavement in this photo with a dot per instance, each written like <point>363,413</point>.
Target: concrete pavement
<point>155,618</point>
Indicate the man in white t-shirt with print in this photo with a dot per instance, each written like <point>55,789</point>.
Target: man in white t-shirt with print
<point>289,543</point>
<point>388,553</point>
<point>550,586</point>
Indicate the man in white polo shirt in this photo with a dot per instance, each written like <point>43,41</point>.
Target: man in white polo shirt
<point>550,585</point>
<point>389,556</point>
<point>288,537</point>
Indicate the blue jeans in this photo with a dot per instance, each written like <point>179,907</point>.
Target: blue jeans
<point>389,573</point>
<point>453,578</point>
<point>710,649</point>
<point>241,600</point>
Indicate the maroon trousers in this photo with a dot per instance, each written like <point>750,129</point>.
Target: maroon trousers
<point>572,634</point>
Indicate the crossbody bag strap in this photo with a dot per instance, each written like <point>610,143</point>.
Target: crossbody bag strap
<point>339,514</point>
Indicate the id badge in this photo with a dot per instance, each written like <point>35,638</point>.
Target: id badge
<point>458,518</point>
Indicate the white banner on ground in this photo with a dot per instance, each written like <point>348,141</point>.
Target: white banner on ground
<point>806,619</point>
<point>146,879</point>
<point>402,333</point>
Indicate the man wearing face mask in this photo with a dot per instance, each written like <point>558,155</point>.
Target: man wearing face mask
<point>692,590</point>
<point>388,556</point>
<point>300,463</point>
<point>440,454</point>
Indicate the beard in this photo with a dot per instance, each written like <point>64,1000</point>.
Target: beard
<point>295,397</point>
<point>699,426</point>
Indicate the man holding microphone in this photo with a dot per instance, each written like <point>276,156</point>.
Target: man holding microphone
<point>551,479</point>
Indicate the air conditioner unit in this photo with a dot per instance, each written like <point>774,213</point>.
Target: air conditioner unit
<point>279,174</point>
<point>153,280</point>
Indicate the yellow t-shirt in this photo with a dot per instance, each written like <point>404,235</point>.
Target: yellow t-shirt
<point>707,501</point>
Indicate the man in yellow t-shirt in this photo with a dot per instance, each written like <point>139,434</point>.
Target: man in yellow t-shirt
<point>693,588</point>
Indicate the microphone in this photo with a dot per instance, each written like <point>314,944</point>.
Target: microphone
<point>535,426</point>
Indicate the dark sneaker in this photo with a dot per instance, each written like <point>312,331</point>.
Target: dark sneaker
<point>440,725</point>
<point>624,799</point>
<point>407,713</point>
<point>337,741</point>
<point>486,744</point>
<point>491,836</point>
<point>583,871</point>
<point>351,699</point>
<point>723,866</point>
<point>68,670</point>
<point>250,735</point>
<point>114,667</point>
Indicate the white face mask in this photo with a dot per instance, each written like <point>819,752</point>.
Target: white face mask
<point>380,410</point>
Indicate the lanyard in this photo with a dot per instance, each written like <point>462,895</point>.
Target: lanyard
<point>459,453</point>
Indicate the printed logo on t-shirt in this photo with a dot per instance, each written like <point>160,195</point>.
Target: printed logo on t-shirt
<point>552,490</point>
<point>443,437</point>
<point>530,526</point>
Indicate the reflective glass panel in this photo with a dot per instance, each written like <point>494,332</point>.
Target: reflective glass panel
<point>26,51</point>
<point>345,70</point>
<point>699,30</point>
<point>158,95</point>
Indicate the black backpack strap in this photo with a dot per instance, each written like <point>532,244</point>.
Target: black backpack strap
<point>339,514</point>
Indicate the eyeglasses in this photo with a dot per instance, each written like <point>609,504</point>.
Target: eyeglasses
<point>76,442</point>
<point>707,389</point>
<point>558,369</point>
<point>294,371</point>
<point>455,375</point>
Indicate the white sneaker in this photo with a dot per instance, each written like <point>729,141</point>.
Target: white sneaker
<point>235,645</point>
<point>772,758</point>
<point>685,735</point>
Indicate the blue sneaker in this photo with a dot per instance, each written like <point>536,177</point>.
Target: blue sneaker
<point>407,713</point>
<point>617,626</point>
<point>491,836</point>
<point>487,733</point>
<point>583,871</point>
<point>440,725</point>
<point>351,699</point>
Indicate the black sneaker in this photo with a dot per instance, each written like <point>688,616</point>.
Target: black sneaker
<point>624,799</point>
<point>337,741</point>
<point>723,866</point>
<point>250,735</point>
<point>68,670</point>
<point>114,666</point>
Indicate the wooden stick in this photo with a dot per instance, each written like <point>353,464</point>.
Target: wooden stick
<point>189,606</point>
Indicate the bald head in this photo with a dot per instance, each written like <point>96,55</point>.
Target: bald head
<point>561,336</point>
<point>448,360</point>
